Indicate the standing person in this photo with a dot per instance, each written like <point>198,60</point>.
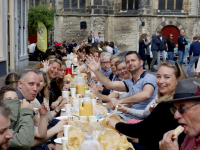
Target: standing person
<point>142,47</point>
<point>162,49</point>
<point>195,49</point>
<point>171,46</point>
<point>181,47</point>
<point>98,39</point>
<point>114,47</point>
<point>91,38</point>
<point>154,48</point>
<point>32,48</point>
<point>70,46</point>
<point>147,43</point>
<point>187,50</point>
<point>6,134</point>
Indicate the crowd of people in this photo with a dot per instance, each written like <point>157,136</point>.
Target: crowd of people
<point>150,106</point>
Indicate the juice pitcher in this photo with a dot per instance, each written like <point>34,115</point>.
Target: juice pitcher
<point>90,144</point>
<point>86,108</point>
<point>79,84</point>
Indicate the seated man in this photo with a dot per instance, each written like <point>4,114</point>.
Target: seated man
<point>186,110</point>
<point>5,133</point>
<point>142,86</point>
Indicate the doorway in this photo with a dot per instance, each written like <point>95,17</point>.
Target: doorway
<point>171,29</point>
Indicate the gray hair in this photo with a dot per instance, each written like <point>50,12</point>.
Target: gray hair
<point>119,61</point>
<point>105,55</point>
<point>114,56</point>
<point>4,110</point>
<point>24,72</point>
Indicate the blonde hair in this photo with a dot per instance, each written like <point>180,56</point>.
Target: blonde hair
<point>142,37</point>
<point>46,87</point>
<point>178,72</point>
<point>12,79</point>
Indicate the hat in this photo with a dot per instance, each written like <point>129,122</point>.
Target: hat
<point>58,44</point>
<point>187,89</point>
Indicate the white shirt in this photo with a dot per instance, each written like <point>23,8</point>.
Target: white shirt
<point>32,48</point>
<point>109,49</point>
<point>161,38</point>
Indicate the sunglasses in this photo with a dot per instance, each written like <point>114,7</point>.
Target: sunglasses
<point>181,110</point>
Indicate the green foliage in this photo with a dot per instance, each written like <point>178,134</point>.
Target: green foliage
<point>42,14</point>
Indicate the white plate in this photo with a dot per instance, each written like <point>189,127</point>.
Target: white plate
<point>104,104</point>
<point>62,117</point>
<point>58,140</point>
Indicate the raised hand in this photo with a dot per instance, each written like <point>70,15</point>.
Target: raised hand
<point>93,87</point>
<point>43,109</point>
<point>46,65</point>
<point>62,104</point>
<point>92,64</point>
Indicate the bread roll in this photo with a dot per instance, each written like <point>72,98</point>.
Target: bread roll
<point>177,132</point>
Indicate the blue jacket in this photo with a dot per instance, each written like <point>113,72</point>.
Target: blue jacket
<point>195,48</point>
<point>155,43</point>
<point>181,45</point>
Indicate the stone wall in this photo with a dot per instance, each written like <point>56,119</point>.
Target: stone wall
<point>124,27</point>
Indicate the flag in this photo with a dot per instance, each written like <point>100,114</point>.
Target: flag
<point>42,37</point>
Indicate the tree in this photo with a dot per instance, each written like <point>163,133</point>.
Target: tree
<point>40,13</point>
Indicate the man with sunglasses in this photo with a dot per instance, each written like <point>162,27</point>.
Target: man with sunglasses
<point>186,110</point>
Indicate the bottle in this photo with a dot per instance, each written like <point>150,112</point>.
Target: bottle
<point>72,67</point>
<point>79,84</point>
<point>90,144</point>
<point>86,109</point>
<point>68,70</point>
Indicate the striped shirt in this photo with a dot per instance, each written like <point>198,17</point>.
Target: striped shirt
<point>191,143</point>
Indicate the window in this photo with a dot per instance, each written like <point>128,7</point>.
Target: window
<point>170,4</point>
<point>130,4</point>
<point>73,5</point>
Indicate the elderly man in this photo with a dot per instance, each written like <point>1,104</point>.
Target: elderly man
<point>142,87</point>
<point>186,110</point>
<point>5,133</point>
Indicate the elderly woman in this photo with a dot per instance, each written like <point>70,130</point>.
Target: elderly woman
<point>150,131</point>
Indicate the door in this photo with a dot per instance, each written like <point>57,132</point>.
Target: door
<point>171,30</point>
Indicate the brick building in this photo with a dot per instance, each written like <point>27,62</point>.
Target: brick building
<point>123,21</point>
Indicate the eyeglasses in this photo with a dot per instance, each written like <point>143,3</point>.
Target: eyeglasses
<point>171,36</point>
<point>181,110</point>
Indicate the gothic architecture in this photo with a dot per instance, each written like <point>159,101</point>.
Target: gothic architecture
<point>123,21</point>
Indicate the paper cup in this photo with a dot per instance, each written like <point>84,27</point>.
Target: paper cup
<point>73,92</point>
<point>94,102</point>
<point>78,95</point>
<point>75,103</point>
<point>66,128</point>
<point>92,119</point>
<point>67,107</point>
<point>65,94</point>
<point>87,91</point>
<point>64,142</point>
<point>83,118</point>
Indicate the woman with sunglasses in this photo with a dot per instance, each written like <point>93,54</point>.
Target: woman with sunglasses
<point>150,131</point>
<point>171,46</point>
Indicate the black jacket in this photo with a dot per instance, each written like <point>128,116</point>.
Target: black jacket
<point>162,46</point>
<point>151,130</point>
<point>170,45</point>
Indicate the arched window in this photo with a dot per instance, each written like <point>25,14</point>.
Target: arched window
<point>170,4</point>
<point>129,4</point>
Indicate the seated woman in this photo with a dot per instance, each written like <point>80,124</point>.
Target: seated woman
<point>150,131</point>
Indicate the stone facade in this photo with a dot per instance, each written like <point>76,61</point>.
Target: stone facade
<point>123,27</point>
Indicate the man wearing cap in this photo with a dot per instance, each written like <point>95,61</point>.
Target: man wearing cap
<point>186,110</point>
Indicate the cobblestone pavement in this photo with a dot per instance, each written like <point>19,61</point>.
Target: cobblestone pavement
<point>33,63</point>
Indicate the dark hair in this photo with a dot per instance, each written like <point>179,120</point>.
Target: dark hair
<point>12,79</point>
<point>159,32</point>
<point>112,44</point>
<point>34,41</point>
<point>101,44</point>
<point>87,50</point>
<point>73,41</point>
<point>99,33</point>
<point>4,110</point>
<point>195,38</point>
<point>168,38</point>
<point>134,52</point>
<point>5,89</point>
<point>106,43</point>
